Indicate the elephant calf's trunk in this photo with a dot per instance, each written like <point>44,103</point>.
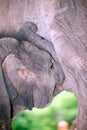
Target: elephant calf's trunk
<point>27,33</point>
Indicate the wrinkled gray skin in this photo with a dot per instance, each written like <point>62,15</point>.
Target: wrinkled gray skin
<point>64,22</point>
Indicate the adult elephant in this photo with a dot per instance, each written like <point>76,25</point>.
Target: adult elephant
<point>64,22</point>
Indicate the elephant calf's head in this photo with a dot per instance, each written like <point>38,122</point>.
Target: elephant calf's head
<point>32,76</point>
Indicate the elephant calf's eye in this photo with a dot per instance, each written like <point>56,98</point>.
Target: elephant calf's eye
<point>51,67</point>
<point>51,64</point>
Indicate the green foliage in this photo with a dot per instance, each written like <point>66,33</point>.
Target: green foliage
<point>63,107</point>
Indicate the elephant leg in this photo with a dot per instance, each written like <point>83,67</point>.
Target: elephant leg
<point>5,111</point>
<point>82,119</point>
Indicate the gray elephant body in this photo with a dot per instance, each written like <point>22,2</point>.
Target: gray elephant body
<point>64,22</point>
<point>68,31</point>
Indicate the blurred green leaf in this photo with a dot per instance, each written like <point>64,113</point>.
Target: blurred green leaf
<point>63,107</point>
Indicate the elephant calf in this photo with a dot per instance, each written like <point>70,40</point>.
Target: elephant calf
<point>30,73</point>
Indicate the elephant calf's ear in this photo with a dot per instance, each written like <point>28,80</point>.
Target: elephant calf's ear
<point>10,89</point>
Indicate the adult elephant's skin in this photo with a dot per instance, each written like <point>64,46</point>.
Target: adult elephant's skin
<point>67,24</point>
<point>64,22</point>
